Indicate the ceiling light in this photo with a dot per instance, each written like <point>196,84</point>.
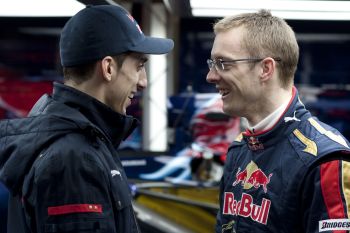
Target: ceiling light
<point>40,8</point>
<point>287,9</point>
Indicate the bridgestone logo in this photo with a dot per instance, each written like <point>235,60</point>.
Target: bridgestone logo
<point>334,224</point>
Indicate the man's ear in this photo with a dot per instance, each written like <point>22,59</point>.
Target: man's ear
<point>268,68</point>
<point>108,67</point>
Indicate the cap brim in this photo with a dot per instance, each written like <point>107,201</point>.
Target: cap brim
<point>154,45</point>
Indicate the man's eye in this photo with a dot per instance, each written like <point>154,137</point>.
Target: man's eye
<point>142,63</point>
<point>141,66</point>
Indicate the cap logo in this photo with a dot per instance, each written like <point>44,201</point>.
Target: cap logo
<point>136,24</point>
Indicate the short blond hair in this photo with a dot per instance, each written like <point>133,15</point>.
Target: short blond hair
<point>266,36</point>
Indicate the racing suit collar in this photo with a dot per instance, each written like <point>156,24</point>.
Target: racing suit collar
<point>294,112</point>
<point>115,126</point>
<point>270,120</point>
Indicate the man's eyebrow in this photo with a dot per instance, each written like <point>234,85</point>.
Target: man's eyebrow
<point>143,59</point>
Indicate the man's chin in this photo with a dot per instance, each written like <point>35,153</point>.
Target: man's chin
<point>120,111</point>
<point>227,110</point>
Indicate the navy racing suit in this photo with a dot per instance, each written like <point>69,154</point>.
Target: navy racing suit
<point>292,178</point>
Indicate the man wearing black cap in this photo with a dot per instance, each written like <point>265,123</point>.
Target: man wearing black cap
<point>60,163</point>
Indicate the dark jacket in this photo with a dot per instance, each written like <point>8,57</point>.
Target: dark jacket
<point>62,169</point>
<point>293,178</point>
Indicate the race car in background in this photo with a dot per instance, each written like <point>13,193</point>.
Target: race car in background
<point>179,192</point>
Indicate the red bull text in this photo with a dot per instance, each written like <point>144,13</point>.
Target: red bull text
<point>246,208</point>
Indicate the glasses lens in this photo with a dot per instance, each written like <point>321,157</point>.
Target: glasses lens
<point>210,63</point>
<point>220,64</point>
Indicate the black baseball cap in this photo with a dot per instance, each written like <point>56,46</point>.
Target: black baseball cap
<point>105,30</point>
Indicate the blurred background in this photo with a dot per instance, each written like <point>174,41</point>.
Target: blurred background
<point>174,159</point>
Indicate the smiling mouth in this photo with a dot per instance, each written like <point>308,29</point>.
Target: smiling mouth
<point>132,95</point>
<point>223,92</point>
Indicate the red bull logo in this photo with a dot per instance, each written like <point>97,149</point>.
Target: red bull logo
<point>240,177</point>
<point>258,178</point>
<point>246,208</point>
<point>134,21</point>
<point>254,144</point>
<point>252,176</point>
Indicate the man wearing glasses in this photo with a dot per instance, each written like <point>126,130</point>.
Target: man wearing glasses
<point>288,172</point>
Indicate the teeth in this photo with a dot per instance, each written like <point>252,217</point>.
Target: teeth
<point>131,96</point>
<point>223,91</point>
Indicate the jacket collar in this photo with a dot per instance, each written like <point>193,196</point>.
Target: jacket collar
<point>115,126</point>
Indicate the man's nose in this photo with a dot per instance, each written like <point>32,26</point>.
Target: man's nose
<point>142,83</point>
<point>212,76</point>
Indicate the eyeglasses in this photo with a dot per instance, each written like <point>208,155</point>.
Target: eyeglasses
<point>220,64</point>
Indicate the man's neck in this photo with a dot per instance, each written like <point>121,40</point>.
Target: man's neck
<point>270,110</point>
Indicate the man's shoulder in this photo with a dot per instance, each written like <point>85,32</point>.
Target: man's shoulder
<point>72,143</point>
<point>71,150</point>
<point>313,139</point>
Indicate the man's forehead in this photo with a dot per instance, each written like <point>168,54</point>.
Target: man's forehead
<point>229,42</point>
<point>139,56</point>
